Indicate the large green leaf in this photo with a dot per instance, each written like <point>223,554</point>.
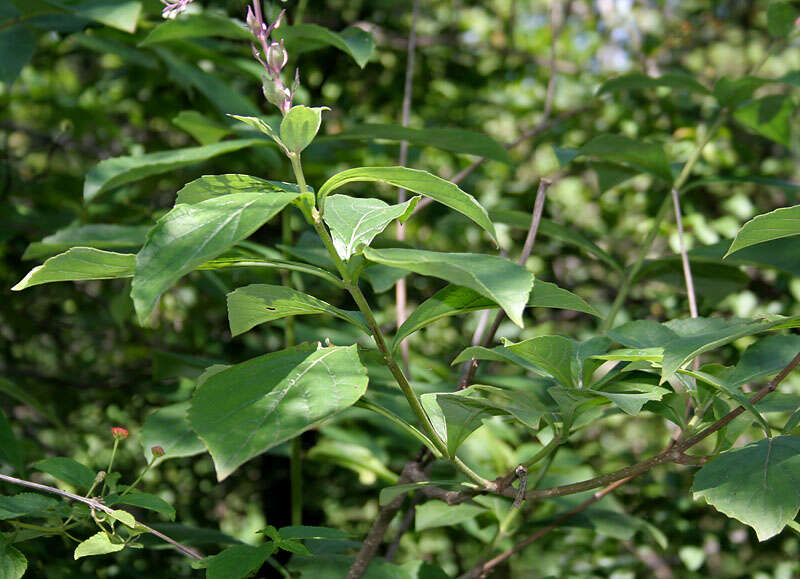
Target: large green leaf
<point>248,408</point>
<point>197,26</point>
<point>190,235</point>
<point>255,304</point>
<point>756,484</point>
<point>638,80</point>
<point>642,156</point>
<point>453,300</point>
<point>210,186</point>
<point>17,45</point>
<point>119,171</point>
<point>24,504</point>
<point>80,263</point>
<point>169,428</point>
<point>770,116</point>
<point>561,357</point>
<point>68,470</point>
<point>355,41</point>
<point>417,181</point>
<point>455,416</point>
<point>499,279</point>
<point>99,236</point>
<point>783,222</point>
<point>354,222</point>
<point>238,561</point>
<point>455,140</point>
<point>13,563</point>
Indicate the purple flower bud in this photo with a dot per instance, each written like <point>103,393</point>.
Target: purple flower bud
<point>276,93</point>
<point>277,57</point>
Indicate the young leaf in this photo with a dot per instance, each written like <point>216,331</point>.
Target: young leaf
<point>169,428</point>
<point>439,514</point>
<point>637,80</point>
<point>354,41</point>
<point>95,235</point>
<point>210,186</point>
<point>455,140</point>
<point>756,484</point>
<point>248,408</point>
<point>300,126</point>
<point>238,561</point>
<point>784,222</point>
<point>499,279</point>
<point>191,235</point>
<point>416,181</point>
<point>255,304</point>
<point>97,544</point>
<point>770,116</point>
<point>68,470</point>
<point>13,563</point>
<point>80,263</point>
<point>119,171</point>
<point>354,222</point>
<point>454,300</point>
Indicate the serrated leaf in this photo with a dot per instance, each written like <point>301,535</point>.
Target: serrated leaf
<point>97,236</point>
<point>755,484</point>
<point>68,470</point>
<point>238,561</point>
<point>256,304</point>
<point>119,171</point>
<point>354,41</point>
<point>455,140</point>
<point>211,186</point>
<point>499,279</point>
<point>439,514</point>
<point>191,235</point>
<point>300,126</point>
<point>783,222</point>
<point>13,563</point>
<point>769,116</point>
<point>248,408</point>
<point>144,501</point>
<point>638,80</point>
<point>203,25</point>
<point>24,504</point>
<point>77,264</point>
<point>97,544</point>
<point>355,222</point>
<point>169,428</point>
<point>415,181</point>
<point>454,300</point>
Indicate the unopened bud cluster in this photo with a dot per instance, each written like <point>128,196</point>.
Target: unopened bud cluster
<point>172,9</point>
<point>272,56</point>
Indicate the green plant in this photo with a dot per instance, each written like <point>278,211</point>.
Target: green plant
<point>240,411</point>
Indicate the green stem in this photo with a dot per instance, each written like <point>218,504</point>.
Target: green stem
<point>367,405</point>
<point>139,478</point>
<point>110,465</point>
<point>658,220</point>
<point>546,451</point>
<point>365,309</point>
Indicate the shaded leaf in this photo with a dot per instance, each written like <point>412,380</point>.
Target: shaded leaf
<point>169,428</point>
<point>79,263</point>
<point>10,449</point>
<point>210,186</point>
<point>13,563</point>
<point>201,25</point>
<point>638,80</point>
<point>68,470</point>
<point>144,501</point>
<point>97,544</point>
<point>770,117</point>
<point>248,408</point>
<point>355,457</point>
<point>499,279</point>
<point>456,416</point>
<point>561,357</point>
<point>388,494</point>
<point>203,129</point>
<point>98,236</point>
<point>731,92</point>
<point>439,514</point>
<point>354,41</point>
<point>781,17</point>
<point>642,156</point>
<point>24,504</point>
<point>17,45</point>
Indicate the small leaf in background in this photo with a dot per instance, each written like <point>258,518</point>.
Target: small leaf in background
<point>169,428</point>
<point>13,563</point>
<point>355,222</point>
<point>781,17</point>
<point>784,222</point>
<point>97,236</point>
<point>354,41</point>
<point>256,304</point>
<point>203,129</point>
<point>202,25</point>
<point>119,171</point>
<point>637,80</point>
<point>248,408</point>
<point>238,561</point>
<point>770,116</point>
<point>120,14</point>
<point>731,92</point>
<point>300,126</point>
<point>143,501</point>
<point>80,263</point>
<point>755,484</point>
<point>190,235</point>
<point>68,470</point>
<point>210,186</point>
<point>23,504</point>
<point>97,544</point>
<point>497,278</point>
<point>439,514</point>
<point>415,181</point>
<point>645,157</point>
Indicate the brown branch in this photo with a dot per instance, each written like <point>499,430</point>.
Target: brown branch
<point>99,506</point>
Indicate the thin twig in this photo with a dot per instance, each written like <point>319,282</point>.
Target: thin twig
<point>99,506</point>
<point>401,289</point>
<point>687,269</point>
<point>484,339</point>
